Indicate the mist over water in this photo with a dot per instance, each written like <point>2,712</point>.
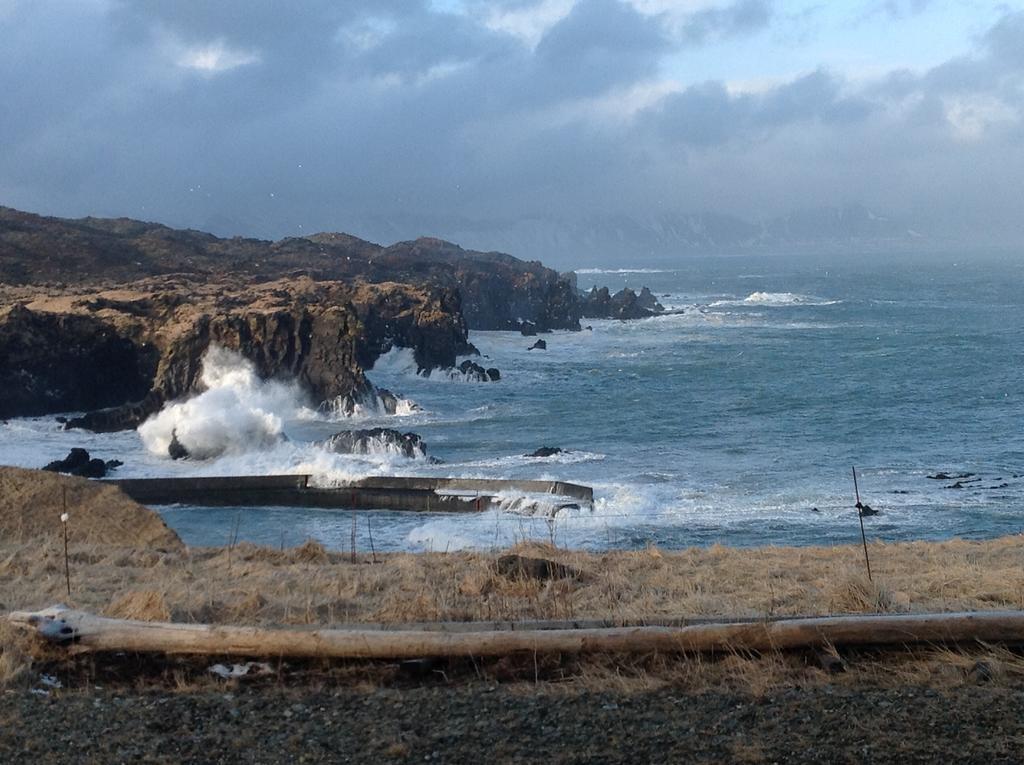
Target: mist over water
<point>736,421</point>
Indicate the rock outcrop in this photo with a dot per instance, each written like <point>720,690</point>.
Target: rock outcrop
<point>624,304</point>
<point>377,441</point>
<point>473,371</point>
<point>497,291</point>
<point>426,319</point>
<point>156,333</point>
<point>79,462</point>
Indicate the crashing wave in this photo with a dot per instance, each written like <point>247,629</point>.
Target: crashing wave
<point>235,413</point>
<point>776,300</point>
<point>374,402</point>
<point>535,505</point>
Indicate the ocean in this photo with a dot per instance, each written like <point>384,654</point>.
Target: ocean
<point>736,421</point>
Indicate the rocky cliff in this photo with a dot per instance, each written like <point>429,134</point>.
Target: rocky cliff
<point>497,291</point>
<point>127,350</point>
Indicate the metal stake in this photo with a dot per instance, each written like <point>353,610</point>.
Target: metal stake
<point>860,515</point>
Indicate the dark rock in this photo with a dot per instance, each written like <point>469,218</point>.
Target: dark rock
<point>418,668</point>
<point>866,510</point>
<point>426,318</point>
<point>981,672</point>
<point>177,451</point>
<point>545,451</point>
<point>76,459</point>
<point>527,329</point>
<point>474,371</point>
<point>647,300</point>
<point>964,484</point>
<point>95,468</point>
<point>624,304</point>
<point>375,440</point>
<point>78,462</point>
<point>114,464</point>
<point>950,476</point>
<point>540,345</point>
<point>56,362</point>
<point>125,417</point>
<point>521,567</point>
<point>815,510</point>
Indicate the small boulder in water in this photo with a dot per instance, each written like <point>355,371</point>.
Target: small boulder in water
<point>78,462</point>
<point>540,345</point>
<point>866,510</point>
<point>527,328</point>
<point>474,371</point>
<point>546,451</point>
<point>376,441</point>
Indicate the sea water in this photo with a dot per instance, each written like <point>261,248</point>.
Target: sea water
<point>735,420</point>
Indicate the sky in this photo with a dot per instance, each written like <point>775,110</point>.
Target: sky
<point>267,118</point>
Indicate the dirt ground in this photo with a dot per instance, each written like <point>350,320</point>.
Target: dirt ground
<point>501,724</point>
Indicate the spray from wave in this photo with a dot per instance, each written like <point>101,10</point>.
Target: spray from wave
<point>237,412</point>
<point>402,362</point>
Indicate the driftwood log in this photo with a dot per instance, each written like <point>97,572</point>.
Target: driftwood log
<point>83,632</point>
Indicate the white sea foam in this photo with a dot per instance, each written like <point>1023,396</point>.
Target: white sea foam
<point>623,271</point>
<point>401,362</point>
<point>372,405</point>
<point>237,411</point>
<point>775,300</point>
<point>569,457</point>
<point>397,361</point>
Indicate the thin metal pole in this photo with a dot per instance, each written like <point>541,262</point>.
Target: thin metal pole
<point>369,530</point>
<point>353,536</point>
<point>64,525</point>
<point>860,516</point>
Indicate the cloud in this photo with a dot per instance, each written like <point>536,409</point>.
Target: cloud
<point>215,57</point>
<point>709,114</point>
<point>741,17</point>
<point>264,117</point>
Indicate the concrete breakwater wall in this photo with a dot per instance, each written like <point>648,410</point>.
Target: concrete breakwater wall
<point>412,494</point>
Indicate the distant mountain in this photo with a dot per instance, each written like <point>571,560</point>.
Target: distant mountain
<point>614,239</point>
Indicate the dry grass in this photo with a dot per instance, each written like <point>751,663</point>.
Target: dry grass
<point>309,585</point>
<point>15,656</point>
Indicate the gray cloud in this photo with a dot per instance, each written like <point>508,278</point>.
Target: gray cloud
<point>261,118</point>
<point>738,18</point>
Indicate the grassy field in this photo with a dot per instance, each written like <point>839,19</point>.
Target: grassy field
<point>306,585</point>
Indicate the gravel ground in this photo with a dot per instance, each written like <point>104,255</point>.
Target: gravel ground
<point>513,723</point>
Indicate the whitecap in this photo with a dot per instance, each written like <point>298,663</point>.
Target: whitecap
<point>623,271</point>
<point>776,300</point>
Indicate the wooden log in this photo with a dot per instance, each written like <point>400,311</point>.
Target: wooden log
<point>85,632</point>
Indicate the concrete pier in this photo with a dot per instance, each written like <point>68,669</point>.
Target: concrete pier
<point>411,494</point>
